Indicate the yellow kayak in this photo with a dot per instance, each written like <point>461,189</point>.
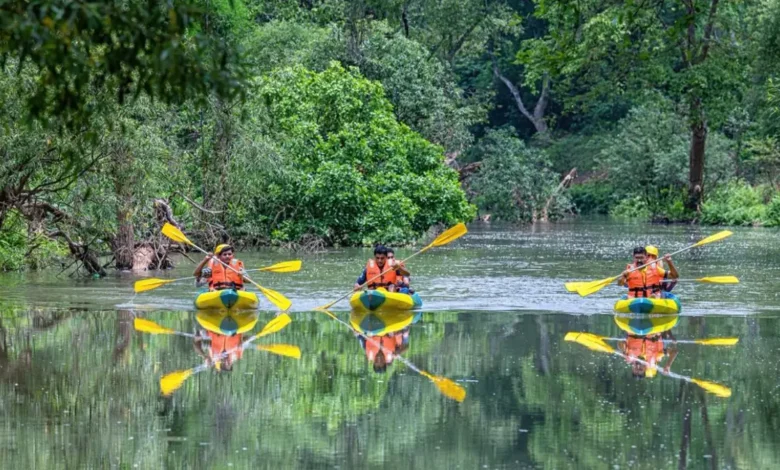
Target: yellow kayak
<point>382,323</point>
<point>227,298</point>
<point>381,298</point>
<point>225,322</point>
<point>665,306</point>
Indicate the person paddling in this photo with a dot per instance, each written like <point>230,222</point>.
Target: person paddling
<point>403,282</point>
<point>219,276</point>
<point>379,273</point>
<point>645,282</point>
<point>652,255</point>
<point>219,345</point>
<point>651,349</point>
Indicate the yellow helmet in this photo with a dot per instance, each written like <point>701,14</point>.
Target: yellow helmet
<point>651,250</point>
<point>220,248</point>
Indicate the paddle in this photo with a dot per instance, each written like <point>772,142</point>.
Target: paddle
<point>575,285</point>
<point>153,283</point>
<point>146,326</point>
<point>595,343</point>
<point>449,235</point>
<point>705,342</point>
<point>595,286</point>
<point>276,298</point>
<point>169,383</point>
<point>447,387</point>
<point>287,350</point>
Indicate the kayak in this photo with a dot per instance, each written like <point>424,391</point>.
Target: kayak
<point>381,298</point>
<point>382,323</point>
<point>667,305</point>
<point>225,322</point>
<point>646,325</point>
<point>227,298</point>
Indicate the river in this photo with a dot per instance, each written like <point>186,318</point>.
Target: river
<point>79,388</point>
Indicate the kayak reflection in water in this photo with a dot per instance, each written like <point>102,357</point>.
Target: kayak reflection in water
<point>381,350</point>
<point>383,335</point>
<point>374,275</point>
<point>650,345</point>
<point>646,282</point>
<point>221,333</point>
<point>212,345</point>
<point>214,271</point>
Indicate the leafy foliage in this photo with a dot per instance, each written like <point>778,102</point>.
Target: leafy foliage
<point>515,181</point>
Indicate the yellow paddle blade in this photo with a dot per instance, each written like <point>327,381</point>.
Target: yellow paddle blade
<point>287,350</point>
<point>276,298</point>
<point>716,389</point>
<point>148,284</point>
<point>449,235</point>
<point>714,238</point>
<point>595,286</point>
<point>175,234</point>
<point>447,387</point>
<point>147,326</point>
<point>720,279</point>
<point>284,267</point>
<point>574,286</point>
<point>590,341</point>
<point>173,381</point>
<point>275,325</point>
<point>718,341</point>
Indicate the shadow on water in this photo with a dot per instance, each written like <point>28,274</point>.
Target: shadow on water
<point>80,386</point>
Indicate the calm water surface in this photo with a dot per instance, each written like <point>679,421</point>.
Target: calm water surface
<point>79,388</point>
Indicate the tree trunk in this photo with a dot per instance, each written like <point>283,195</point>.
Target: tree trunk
<point>696,161</point>
<point>123,243</point>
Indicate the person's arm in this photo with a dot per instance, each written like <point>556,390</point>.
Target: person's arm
<point>197,344</point>
<point>400,268</point>
<point>672,269</point>
<point>623,278</point>
<point>199,270</point>
<point>360,280</point>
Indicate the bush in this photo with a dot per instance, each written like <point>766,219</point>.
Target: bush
<point>328,158</point>
<point>515,181</point>
<point>593,197</point>
<point>635,208</point>
<point>736,203</point>
<point>17,251</point>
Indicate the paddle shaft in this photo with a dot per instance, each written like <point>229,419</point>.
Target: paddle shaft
<point>661,259</point>
<point>666,341</point>
<point>659,369</point>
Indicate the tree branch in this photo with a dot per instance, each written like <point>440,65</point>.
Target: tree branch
<point>707,40</point>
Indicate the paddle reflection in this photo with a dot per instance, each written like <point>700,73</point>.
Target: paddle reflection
<point>383,334</point>
<point>648,346</point>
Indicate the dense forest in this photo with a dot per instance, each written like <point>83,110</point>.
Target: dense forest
<point>312,123</point>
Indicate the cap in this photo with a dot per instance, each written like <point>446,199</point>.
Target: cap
<point>651,250</point>
<point>220,248</point>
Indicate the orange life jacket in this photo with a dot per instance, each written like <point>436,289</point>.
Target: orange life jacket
<point>389,344</point>
<point>645,282</point>
<point>224,278</point>
<point>223,343</point>
<point>642,347</point>
<point>372,271</point>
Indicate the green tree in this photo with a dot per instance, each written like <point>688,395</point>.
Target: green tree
<point>677,48</point>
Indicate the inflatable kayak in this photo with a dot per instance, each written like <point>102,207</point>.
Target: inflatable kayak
<point>227,298</point>
<point>227,323</point>
<point>646,325</point>
<point>382,323</point>
<point>665,306</point>
<point>381,298</point>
